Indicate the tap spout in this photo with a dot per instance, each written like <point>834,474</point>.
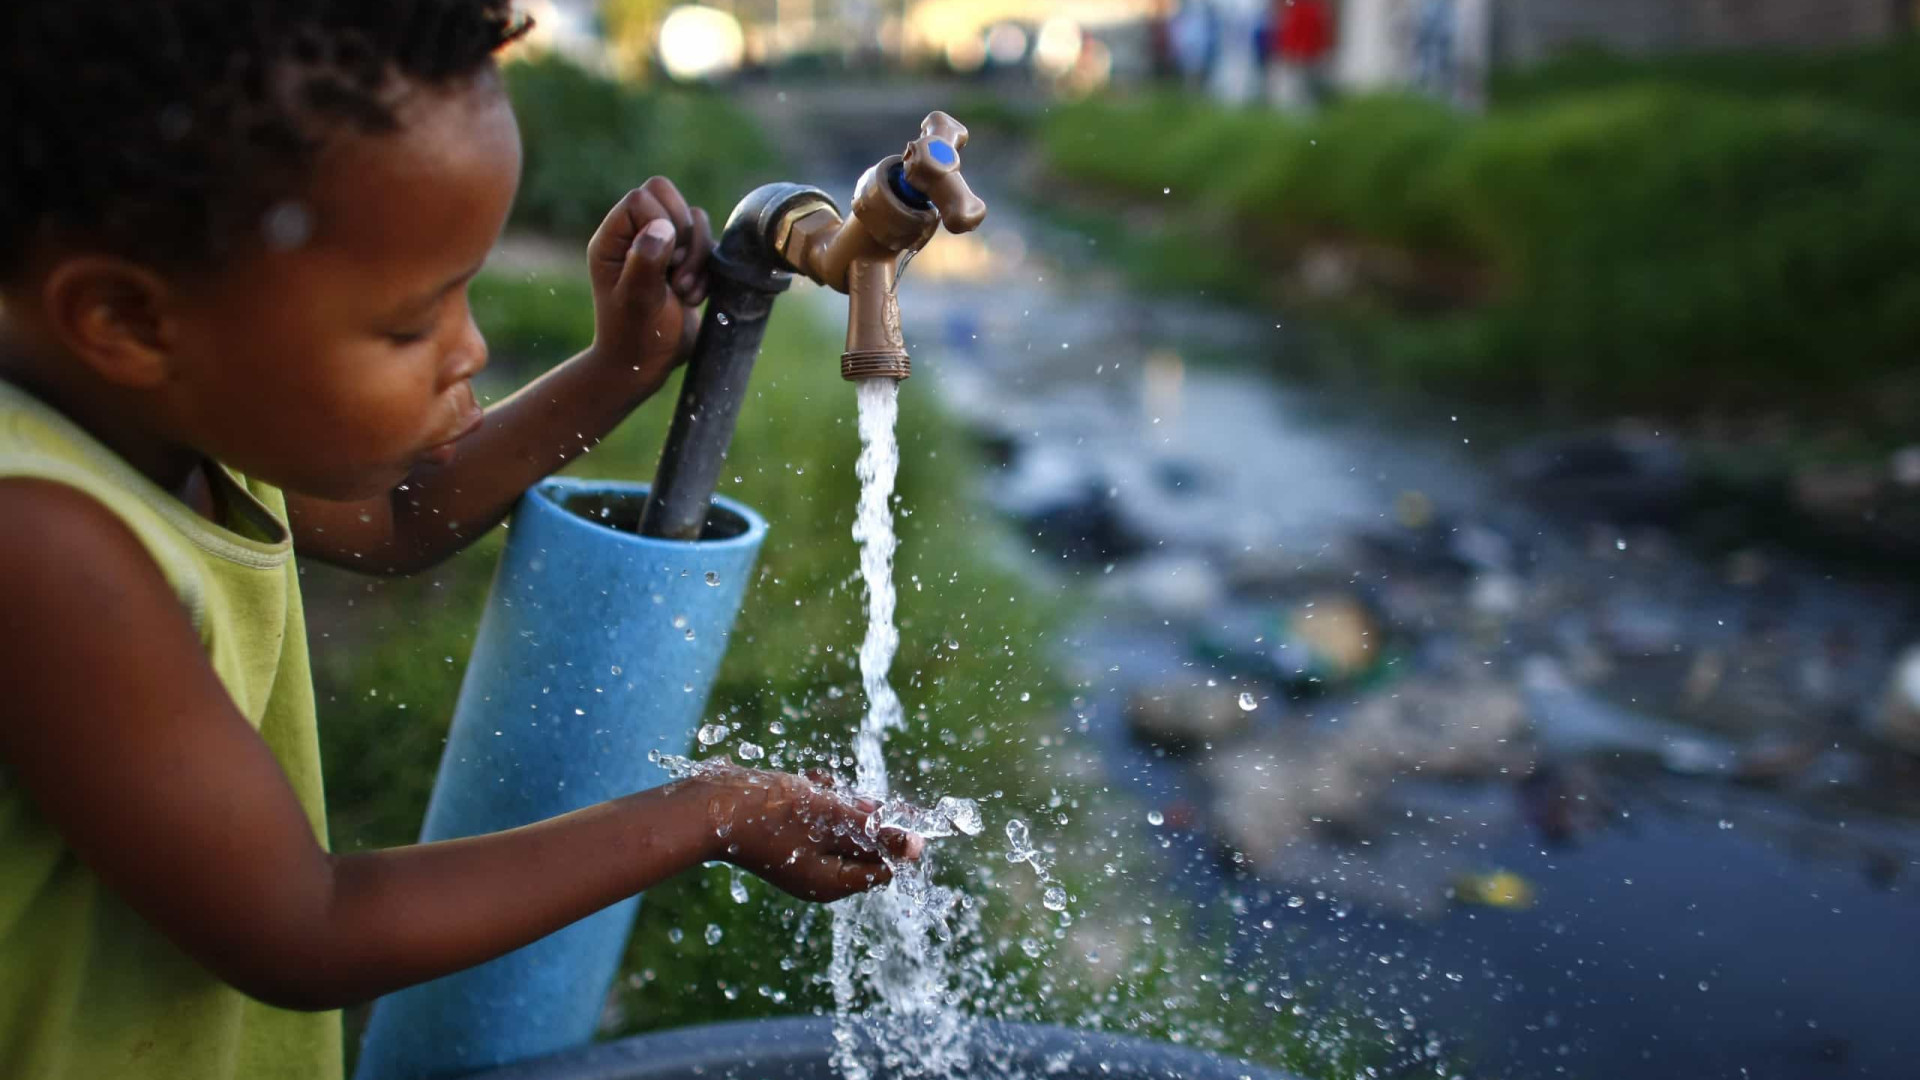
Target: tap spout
<point>897,206</point>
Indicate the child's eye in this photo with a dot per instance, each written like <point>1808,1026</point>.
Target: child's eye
<point>408,337</point>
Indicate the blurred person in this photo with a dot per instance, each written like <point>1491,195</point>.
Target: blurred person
<point>1303,31</point>
<point>236,238</point>
<point>1433,44</point>
<point>1192,35</point>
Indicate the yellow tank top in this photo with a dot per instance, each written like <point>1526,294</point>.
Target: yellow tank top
<point>88,990</point>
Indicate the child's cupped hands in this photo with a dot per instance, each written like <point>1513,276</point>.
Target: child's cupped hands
<point>648,263</point>
<point>799,833</point>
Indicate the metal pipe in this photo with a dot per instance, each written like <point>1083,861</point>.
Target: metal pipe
<point>746,273</point>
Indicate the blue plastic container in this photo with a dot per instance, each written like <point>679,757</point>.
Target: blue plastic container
<point>598,646</point>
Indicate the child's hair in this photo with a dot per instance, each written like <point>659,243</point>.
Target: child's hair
<point>167,130</point>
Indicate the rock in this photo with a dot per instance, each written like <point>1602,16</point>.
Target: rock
<point>1904,465</point>
<point>1166,586</point>
<point>1449,728</point>
<point>1565,801</point>
<point>1496,594</point>
<point>1622,475</point>
<point>1184,718</point>
<point>1897,721</point>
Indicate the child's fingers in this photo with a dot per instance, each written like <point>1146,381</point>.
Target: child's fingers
<point>643,280</point>
<point>829,877</point>
<point>690,279</point>
<point>613,241</point>
<point>902,844</point>
<point>677,211</point>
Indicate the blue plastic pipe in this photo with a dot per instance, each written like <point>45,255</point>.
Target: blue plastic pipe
<point>598,645</point>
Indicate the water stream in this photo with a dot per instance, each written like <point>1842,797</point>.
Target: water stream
<point>893,948</point>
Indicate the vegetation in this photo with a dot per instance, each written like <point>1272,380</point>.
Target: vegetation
<point>1610,233</point>
<point>588,139</point>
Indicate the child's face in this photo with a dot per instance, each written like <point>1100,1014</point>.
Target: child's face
<point>335,365</point>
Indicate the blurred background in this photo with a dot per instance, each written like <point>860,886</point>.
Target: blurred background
<point>1417,502</point>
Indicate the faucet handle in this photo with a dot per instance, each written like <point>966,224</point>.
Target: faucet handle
<point>931,164</point>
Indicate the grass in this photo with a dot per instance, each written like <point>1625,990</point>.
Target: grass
<point>973,668</point>
<point>1609,236</point>
<point>587,140</point>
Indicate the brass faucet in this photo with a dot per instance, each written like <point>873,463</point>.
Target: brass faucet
<point>897,206</point>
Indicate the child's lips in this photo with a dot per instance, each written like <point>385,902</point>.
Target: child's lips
<point>442,452</point>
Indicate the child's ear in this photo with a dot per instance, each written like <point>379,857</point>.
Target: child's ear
<point>112,314</point>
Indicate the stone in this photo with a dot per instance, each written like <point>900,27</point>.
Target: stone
<point>1897,721</point>
<point>1623,474</point>
<point>1167,585</point>
<point>1184,718</point>
<point>1455,728</point>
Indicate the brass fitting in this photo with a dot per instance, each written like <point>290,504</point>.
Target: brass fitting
<point>897,206</point>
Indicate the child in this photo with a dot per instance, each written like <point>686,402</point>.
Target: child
<point>235,242</point>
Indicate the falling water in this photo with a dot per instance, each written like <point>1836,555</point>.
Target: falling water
<point>893,946</point>
<point>879,464</point>
<point>893,960</point>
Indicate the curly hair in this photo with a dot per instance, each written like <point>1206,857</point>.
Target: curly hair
<point>168,130</point>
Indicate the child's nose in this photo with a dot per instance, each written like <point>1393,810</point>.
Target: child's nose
<point>469,357</point>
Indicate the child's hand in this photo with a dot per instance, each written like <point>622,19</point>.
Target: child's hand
<point>648,262</point>
<point>800,834</point>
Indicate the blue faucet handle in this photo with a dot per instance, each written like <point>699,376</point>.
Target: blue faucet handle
<point>930,168</point>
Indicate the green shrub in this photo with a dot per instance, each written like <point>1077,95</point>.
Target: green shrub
<point>1882,78</point>
<point>1644,244</point>
<point>588,140</point>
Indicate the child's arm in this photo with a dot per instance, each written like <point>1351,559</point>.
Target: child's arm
<point>643,327</point>
<point>118,729</point>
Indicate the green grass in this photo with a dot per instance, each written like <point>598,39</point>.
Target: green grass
<point>1640,241</point>
<point>973,668</point>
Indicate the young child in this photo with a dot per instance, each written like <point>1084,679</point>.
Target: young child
<point>235,243</point>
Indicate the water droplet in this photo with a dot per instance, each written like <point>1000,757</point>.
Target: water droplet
<point>1055,898</point>
<point>711,734</point>
<point>1725,824</point>
<point>676,935</point>
<point>721,318</point>
<point>1620,545</point>
<point>1025,696</point>
<point>1155,817</point>
<point>1166,191</point>
<point>713,577</point>
<point>689,633</point>
<point>737,888</point>
<point>686,688</point>
<point>1703,986</point>
<point>750,752</point>
<point>1296,901</point>
<point>713,933</point>
<point>1247,702</point>
<point>679,622</point>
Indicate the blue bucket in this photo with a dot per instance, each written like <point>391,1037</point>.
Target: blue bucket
<point>598,646</point>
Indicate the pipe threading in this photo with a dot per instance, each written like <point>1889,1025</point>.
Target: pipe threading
<point>875,364</point>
